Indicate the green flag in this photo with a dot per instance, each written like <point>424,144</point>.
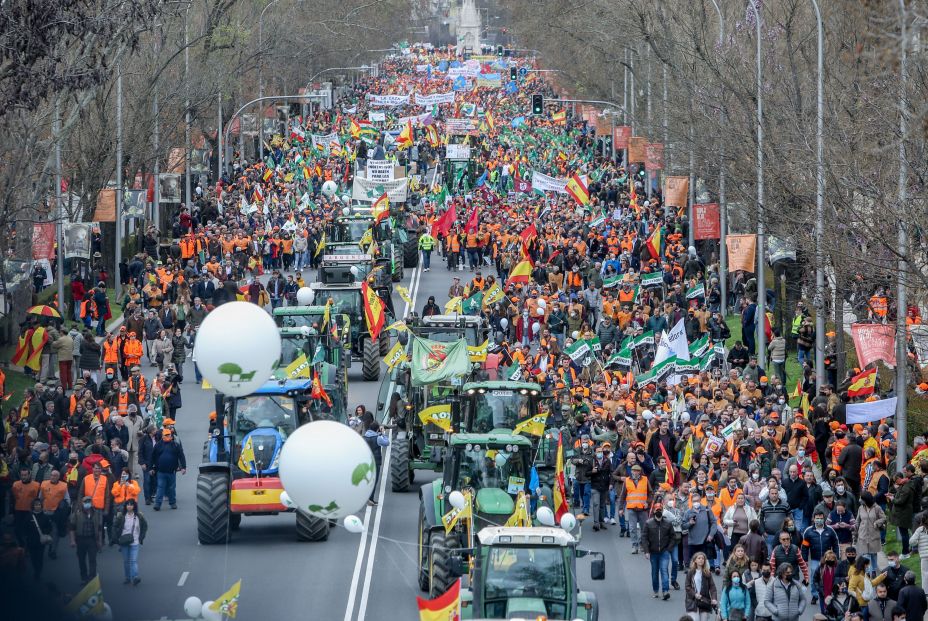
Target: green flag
<point>700,347</point>
<point>699,291</point>
<point>652,279</point>
<point>611,281</point>
<point>578,350</point>
<point>473,304</point>
<point>433,361</point>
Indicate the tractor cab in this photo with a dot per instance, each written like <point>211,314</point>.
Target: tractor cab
<point>498,405</point>
<point>449,328</point>
<point>531,573</point>
<point>299,316</point>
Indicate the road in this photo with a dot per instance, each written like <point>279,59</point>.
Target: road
<point>350,577</point>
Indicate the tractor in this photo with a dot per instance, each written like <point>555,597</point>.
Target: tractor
<point>494,468</point>
<point>351,229</point>
<point>325,355</point>
<point>338,284</point>
<point>229,485</point>
<point>527,572</point>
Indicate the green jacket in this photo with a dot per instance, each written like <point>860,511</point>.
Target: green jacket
<point>426,242</point>
<point>120,520</point>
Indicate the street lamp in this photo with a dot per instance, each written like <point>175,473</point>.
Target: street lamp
<point>902,265</point>
<point>723,204</point>
<point>820,207</point>
<point>761,285</point>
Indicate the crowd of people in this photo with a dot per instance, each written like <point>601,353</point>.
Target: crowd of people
<point>749,497</point>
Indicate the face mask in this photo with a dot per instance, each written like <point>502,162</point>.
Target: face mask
<point>658,514</point>
<point>88,505</point>
<point>755,475</point>
<point>599,455</point>
<point>800,453</point>
<point>781,401</point>
<point>124,478</point>
<point>891,563</point>
<point>819,523</point>
<point>765,573</point>
<point>831,563</point>
<point>736,580</point>
<point>72,462</point>
<point>123,390</point>
<point>839,489</point>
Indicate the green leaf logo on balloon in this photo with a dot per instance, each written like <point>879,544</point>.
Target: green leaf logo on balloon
<point>329,509</point>
<point>234,371</point>
<point>363,473</point>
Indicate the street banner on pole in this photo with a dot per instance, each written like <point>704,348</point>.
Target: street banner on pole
<point>636,145</point>
<point>620,136</point>
<point>43,241</point>
<point>676,190</point>
<point>706,221</point>
<point>874,341</point>
<point>654,156</point>
<point>741,252</point>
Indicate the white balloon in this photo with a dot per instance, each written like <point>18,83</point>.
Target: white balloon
<point>568,522</point>
<point>456,499</point>
<point>536,328</point>
<point>540,311</point>
<point>329,188</point>
<point>346,211</point>
<point>542,303</point>
<point>327,469</point>
<point>545,516</point>
<point>575,335</point>
<point>193,606</point>
<point>346,199</point>
<point>504,323</point>
<point>209,614</point>
<point>285,500</point>
<point>501,459</point>
<point>353,524</point>
<point>237,348</point>
<point>106,615</point>
<point>304,296</point>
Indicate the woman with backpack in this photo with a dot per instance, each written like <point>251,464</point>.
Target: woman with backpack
<point>736,600</point>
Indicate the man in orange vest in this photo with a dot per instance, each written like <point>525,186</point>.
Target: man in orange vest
<point>96,487</point>
<point>133,350</point>
<point>111,353</point>
<point>636,505</point>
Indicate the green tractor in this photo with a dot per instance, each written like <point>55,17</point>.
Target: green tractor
<point>529,573</point>
<point>494,468</point>
<point>324,354</point>
<point>351,229</point>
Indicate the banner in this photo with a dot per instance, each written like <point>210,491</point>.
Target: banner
<point>545,183</point>
<point>323,141</point>
<point>376,117</point>
<point>489,80</point>
<point>435,98</point>
<point>461,127</point>
<point>706,221</point>
<point>874,341</point>
<point>77,241</point>
<point>366,190</point>
<point>676,191</point>
<point>870,411</point>
<point>457,152</point>
<point>433,361</point>
<point>620,136</point>
<point>379,171</point>
<point>106,206</point>
<point>636,146</point>
<point>654,156</point>
<point>43,240</point>
<point>389,101</point>
<point>741,249</point>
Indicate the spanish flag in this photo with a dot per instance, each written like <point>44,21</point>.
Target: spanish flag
<point>431,133</point>
<point>862,384</point>
<point>798,391</point>
<point>490,121</point>
<point>381,208</point>
<point>559,118</point>
<point>577,188</point>
<point>268,173</point>
<point>522,272</point>
<point>373,311</point>
<point>29,351</point>
<point>318,392</point>
<point>654,243</point>
<point>445,607</point>
<point>404,140</point>
<point>355,129</point>
<point>560,492</point>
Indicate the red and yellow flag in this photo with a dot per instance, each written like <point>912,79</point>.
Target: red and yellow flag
<point>318,392</point>
<point>445,607</point>
<point>559,118</point>
<point>522,272</point>
<point>381,208</point>
<point>560,489</point>
<point>355,129</point>
<point>431,133</point>
<point>577,188</point>
<point>404,141</point>
<point>862,384</point>
<point>490,120</point>
<point>29,351</point>
<point>373,310</point>
<point>654,243</point>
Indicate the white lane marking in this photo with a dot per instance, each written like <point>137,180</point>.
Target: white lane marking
<point>183,578</point>
<point>362,546</point>
<point>383,486</point>
<point>355,579</point>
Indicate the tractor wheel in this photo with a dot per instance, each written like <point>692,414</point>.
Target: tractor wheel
<point>411,252</point>
<point>423,555</point>
<point>399,465</point>
<point>311,528</point>
<point>370,365</point>
<point>235,521</point>
<point>442,546</point>
<point>213,508</point>
<point>397,275</point>
<point>383,342</point>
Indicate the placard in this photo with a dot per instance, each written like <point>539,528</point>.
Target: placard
<point>77,240</point>
<point>676,191</point>
<point>377,117</point>
<point>379,171</point>
<point>741,252</point>
<point>706,221</point>
<point>457,152</point>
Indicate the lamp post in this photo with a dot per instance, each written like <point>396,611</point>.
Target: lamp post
<point>761,317</point>
<point>117,287</point>
<point>820,207</point>
<point>902,264</point>
<point>723,203</point>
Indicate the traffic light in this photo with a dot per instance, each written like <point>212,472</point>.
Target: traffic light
<point>513,74</point>
<point>538,104</point>
<point>499,51</point>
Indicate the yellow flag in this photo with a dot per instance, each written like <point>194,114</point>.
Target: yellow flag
<point>227,603</point>
<point>534,426</point>
<point>404,294</point>
<point>205,385</point>
<point>395,356</point>
<point>451,518</point>
<point>493,295</point>
<point>397,325</point>
<point>520,516</point>
<point>366,239</point>
<point>453,305</point>
<point>327,313</point>
<point>320,246</point>
<point>437,414</point>
<point>89,601</point>
<point>246,458</point>
<point>478,353</point>
<point>299,367</point>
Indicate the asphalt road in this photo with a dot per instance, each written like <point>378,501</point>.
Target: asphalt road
<point>351,577</point>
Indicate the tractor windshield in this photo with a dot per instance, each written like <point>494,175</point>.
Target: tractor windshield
<point>521,572</point>
<point>265,411</point>
<point>347,301</point>
<point>495,409</point>
<point>299,320</point>
<point>356,229</point>
<point>484,467</point>
<point>292,347</point>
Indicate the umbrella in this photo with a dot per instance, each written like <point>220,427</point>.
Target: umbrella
<point>43,311</point>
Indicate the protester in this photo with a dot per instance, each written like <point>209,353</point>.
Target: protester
<point>129,529</point>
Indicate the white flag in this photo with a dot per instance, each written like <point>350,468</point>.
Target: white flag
<point>870,411</point>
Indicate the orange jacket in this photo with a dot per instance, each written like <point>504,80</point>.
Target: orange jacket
<point>133,352</point>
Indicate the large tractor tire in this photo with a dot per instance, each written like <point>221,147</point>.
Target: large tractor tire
<point>423,552</point>
<point>370,363</point>
<point>311,528</point>
<point>213,515</point>
<point>400,472</point>
<point>397,275</point>
<point>411,253</point>
<point>440,576</point>
<point>383,342</point>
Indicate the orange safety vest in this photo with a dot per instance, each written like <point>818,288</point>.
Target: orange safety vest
<point>110,352</point>
<point>122,493</point>
<point>636,495</point>
<point>140,387</point>
<point>96,489</point>
<point>187,248</point>
<point>133,352</point>
<point>122,404</point>
<point>727,499</point>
